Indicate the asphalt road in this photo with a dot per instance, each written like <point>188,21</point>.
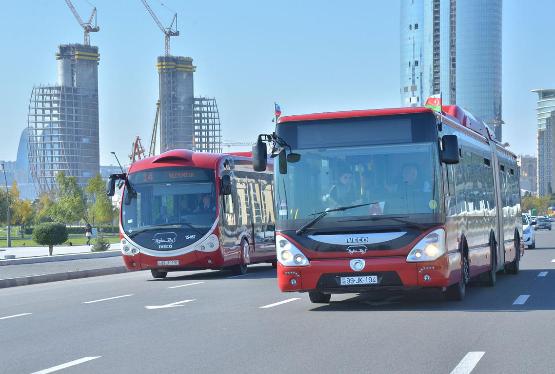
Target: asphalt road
<point>211,322</point>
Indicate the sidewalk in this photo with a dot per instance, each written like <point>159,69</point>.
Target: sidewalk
<point>32,265</point>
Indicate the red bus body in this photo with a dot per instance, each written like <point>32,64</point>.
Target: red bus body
<point>231,241</point>
<point>482,230</point>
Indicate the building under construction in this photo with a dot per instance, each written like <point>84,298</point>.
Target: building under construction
<point>206,122</point>
<point>63,120</point>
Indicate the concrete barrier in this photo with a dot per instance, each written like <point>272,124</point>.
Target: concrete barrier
<point>68,257</point>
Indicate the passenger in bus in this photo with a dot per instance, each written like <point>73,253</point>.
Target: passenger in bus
<point>343,193</point>
<point>411,194</point>
<point>206,205</point>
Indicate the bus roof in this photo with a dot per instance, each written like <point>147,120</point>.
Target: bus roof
<point>184,157</point>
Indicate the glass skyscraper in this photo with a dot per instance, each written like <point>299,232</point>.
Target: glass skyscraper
<point>460,55</point>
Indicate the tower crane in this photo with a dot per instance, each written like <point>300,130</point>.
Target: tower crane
<point>152,149</point>
<point>169,31</point>
<point>87,26</point>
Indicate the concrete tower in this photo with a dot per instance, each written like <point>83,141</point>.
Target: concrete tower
<point>176,92</point>
<point>63,120</point>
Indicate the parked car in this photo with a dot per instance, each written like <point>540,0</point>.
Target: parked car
<point>528,232</point>
<point>543,223</point>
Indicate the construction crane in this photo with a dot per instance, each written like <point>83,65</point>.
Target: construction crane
<point>87,26</point>
<point>169,31</point>
<point>152,150</point>
<point>137,150</point>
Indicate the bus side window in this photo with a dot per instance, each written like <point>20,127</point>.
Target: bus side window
<point>229,206</point>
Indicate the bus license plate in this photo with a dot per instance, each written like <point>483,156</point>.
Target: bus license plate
<point>353,281</point>
<point>168,263</point>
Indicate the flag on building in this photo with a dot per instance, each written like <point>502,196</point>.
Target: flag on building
<point>434,102</point>
<point>277,110</point>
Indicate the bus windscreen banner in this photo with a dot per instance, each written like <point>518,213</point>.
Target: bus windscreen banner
<point>167,175</point>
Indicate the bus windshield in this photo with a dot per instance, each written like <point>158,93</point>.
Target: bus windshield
<point>181,199</point>
<point>387,180</point>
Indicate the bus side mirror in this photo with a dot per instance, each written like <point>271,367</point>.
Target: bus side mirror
<point>259,155</point>
<point>225,185</point>
<point>111,187</point>
<point>450,149</point>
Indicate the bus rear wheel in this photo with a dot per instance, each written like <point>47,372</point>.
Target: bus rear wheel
<point>491,275</point>
<point>318,297</point>
<point>157,274</point>
<point>514,266</point>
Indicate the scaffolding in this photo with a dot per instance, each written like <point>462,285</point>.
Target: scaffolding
<point>207,129</point>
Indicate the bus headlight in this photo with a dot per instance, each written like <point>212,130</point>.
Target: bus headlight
<point>210,244</point>
<point>127,249</point>
<point>430,248</point>
<point>288,254</point>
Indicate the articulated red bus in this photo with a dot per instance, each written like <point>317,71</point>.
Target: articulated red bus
<point>184,210</point>
<point>392,199</point>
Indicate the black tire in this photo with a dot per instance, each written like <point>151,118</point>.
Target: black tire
<point>318,297</point>
<point>457,291</point>
<point>274,264</point>
<point>157,274</point>
<point>241,268</point>
<point>491,275</point>
<point>532,246</point>
<point>514,266</point>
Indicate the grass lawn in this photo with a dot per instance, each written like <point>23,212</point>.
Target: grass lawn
<point>75,240</point>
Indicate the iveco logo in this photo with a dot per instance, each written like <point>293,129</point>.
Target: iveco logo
<point>165,240</point>
<point>357,264</point>
<point>352,249</point>
<point>357,239</point>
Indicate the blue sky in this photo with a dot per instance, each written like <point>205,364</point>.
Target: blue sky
<point>310,56</point>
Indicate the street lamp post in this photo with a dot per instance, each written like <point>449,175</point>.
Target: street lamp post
<point>9,239</point>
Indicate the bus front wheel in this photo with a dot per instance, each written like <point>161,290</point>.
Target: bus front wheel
<point>318,297</point>
<point>241,268</point>
<point>457,291</point>
<point>157,274</point>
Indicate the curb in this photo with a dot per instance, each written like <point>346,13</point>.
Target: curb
<point>46,278</point>
<point>69,257</point>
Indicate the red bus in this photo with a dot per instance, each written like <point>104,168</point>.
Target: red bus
<point>392,199</point>
<point>185,210</point>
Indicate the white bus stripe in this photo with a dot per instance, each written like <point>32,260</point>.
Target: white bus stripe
<point>468,363</point>
<point>66,365</point>
<point>279,303</point>
<point>186,285</point>
<point>16,315</point>
<point>542,274</point>
<point>521,299</point>
<point>106,299</point>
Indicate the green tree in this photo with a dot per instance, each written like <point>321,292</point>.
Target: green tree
<point>70,203</point>
<point>43,208</point>
<point>540,203</point>
<point>99,209</point>
<point>50,234</point>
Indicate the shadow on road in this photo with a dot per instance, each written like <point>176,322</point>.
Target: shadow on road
<point>478,298</point>
<point>254,272</point>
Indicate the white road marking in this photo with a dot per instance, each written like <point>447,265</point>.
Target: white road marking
<point>468,363</point>
<point>553,260</point>
<point>542,274</point>
<point>66,365</point>
<point>171,305</point>
<point>16,315</point>
<point>186,285</point>
<point>106,299</point>
<point>521,299</point>
<point>279,303</point>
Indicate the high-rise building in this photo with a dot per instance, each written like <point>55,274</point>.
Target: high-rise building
<point>544,115</point>
<point>207,131</point>
<point>176,92</point>
<point>63,120</point>
<point>528,173</point>
<point>453,48</point>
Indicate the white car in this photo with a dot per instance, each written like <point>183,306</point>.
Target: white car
<point>528,232</point>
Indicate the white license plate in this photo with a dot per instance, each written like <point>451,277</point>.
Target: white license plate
<point>168,263</point>
<point>354,281</point>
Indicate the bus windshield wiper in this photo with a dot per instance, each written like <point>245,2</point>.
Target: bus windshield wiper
<point>393,218</point>
<point>166,226</point>
<point>322,214</point>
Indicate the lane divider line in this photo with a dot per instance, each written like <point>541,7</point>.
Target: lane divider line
<point>171,305</point>
<point>66,365</point>
<point>553,260</point>
<point>186,285</point>
<point>521,300</point>
<point>16,315</point>
<point>106,299</point>
<point>542,274</point>
<point>280,303</point>
<point>468,363</point>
